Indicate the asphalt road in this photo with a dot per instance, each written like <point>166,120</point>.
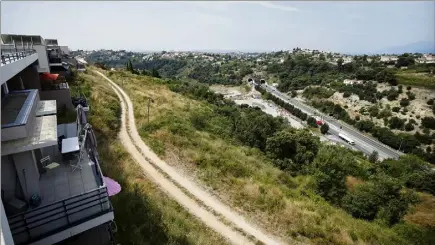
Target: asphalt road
<point>363,142</point>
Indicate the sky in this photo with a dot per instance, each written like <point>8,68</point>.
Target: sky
<point>231,26</point>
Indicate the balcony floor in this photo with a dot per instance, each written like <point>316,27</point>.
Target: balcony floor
<point>61,182</point>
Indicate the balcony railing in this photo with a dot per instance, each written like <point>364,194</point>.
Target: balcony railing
<point>38,223</point>
<point>48,220</point>
<point>55,60</point>
<point>9,57</point>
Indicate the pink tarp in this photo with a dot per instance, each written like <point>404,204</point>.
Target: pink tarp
<point>113,187</point>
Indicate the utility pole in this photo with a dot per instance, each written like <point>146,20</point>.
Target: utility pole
<point>149,102</point>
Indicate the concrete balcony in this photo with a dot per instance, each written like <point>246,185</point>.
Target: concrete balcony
<point>72,202</point>
<point>59,92</point>
<point>14,63</point>
<point>18,112</point>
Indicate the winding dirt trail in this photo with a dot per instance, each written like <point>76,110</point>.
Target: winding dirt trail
<point>189,195</point>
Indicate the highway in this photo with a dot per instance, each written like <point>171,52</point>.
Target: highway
<point>363,142</point>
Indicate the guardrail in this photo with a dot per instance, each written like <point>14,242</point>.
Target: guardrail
<point>38,223</point>
<point>9,57</point>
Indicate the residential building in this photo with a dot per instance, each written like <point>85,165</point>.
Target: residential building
<point>46,59</point>
<point>47,195</point>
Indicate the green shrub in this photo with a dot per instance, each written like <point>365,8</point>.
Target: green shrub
<point>324,128</point>
<point>428,122</point>
<point>404,102</point>
<point>409,127</point>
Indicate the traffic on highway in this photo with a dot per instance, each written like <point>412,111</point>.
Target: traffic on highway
<point>359,141</point>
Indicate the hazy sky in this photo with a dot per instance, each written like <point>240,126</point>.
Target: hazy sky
<point>245,26</point>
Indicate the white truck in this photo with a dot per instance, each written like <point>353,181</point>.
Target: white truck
<point>346,138</point>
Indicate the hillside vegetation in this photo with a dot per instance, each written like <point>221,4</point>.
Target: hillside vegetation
<point>281,178</point>
<point>143,213</point>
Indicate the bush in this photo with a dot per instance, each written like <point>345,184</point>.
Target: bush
<point>384,113</point>
<point>347,94</point>
<point>409,127</point>
<point>428,122</point>
<point>391,94</point>
<point>430,102</point>
<point>365,125</point>
<point>396,109</point>
<point>382,198</point>
<point>311,121</point>
<point>330,173</point>
<point>324,128</point>
<point>396,123</point>
<point>357,118</point>
<point>404,102</point>
<point>408,88</point>
<point>373,110</point>
<point>411,96</point>
<point>373,157</point>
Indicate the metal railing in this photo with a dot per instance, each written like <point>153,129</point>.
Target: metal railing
<point>55,60</point>
<point>38,223</point>
<point>9,57</point>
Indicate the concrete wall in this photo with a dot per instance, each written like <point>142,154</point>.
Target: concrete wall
<point>10,70</point>
<point>26,79</point>
<point>6,236</point>
<point>42,58</point>
<point>30,180</point>
<point>62,97</point>
<point>8,178</point>
<point>30,77</point>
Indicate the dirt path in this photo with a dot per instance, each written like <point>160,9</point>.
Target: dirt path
<point>206,207</point>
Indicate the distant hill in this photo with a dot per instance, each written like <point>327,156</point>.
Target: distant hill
<point>418,47</point>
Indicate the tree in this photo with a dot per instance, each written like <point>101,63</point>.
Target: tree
<point>409,127</point>
<point>322,57</point>
<point>374,157</point>
<point>129,66</point>
<point>430,102</point>
<point>340,63</point>
<point>381,198</point>
<point>396,123</point>
<point>155,73</point>
<point>324,128</point>
<point>311,121</point>
<point>329,168</point>
<point>428,122</point>
<point>299,147</point>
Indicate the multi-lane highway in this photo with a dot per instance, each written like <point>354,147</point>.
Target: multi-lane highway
<point>363,142</point>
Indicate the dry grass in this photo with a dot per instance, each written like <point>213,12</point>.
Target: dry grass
<point>144,214</point>
<point>241,176</point>
<point>424,212</point>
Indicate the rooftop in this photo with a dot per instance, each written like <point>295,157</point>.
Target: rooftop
<point>51,42</point>
<point>18,39</point>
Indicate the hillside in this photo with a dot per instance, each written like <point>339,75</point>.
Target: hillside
<point>249,166</point>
